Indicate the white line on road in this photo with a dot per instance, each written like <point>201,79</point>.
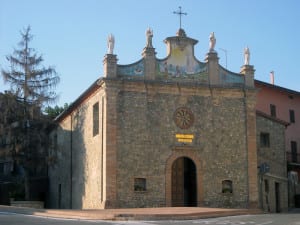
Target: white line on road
<point>7,213</point>
<point>268,222</point>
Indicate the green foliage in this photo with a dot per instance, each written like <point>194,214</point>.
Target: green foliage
<point>11,109</point>
<point>23,125</point>
<point>53,112</point>
<point>17,191</point>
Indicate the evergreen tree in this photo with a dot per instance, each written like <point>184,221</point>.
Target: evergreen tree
<point>32,86</point>
<point>29,80</point>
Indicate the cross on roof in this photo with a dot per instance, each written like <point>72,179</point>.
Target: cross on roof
<point>180,13</point>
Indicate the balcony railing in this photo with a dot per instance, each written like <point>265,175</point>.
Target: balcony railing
<point>293,157</point>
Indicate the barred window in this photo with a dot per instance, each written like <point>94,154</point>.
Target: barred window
<point>227,186</point>
<point>140,184</point>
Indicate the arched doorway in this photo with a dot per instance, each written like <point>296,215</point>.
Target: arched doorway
<point>184,182</point>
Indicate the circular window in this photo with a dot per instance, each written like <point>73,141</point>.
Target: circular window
<point>183,117</point>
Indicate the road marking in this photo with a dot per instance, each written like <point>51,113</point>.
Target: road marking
<point>268,222</point>
<point>230,222</point>
<point>7,213</point>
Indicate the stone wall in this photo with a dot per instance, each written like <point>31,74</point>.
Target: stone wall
<point>146,139</point>
<point>59,166</point>
<point>78,159</point>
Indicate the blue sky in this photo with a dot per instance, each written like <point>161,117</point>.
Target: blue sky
<point>72,34</point>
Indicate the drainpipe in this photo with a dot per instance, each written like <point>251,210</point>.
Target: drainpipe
<point>71,163</point>
<point>246,146</point>
<point>261,191</point>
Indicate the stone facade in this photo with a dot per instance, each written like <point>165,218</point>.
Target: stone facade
<point>169,132</point>
<point>273,183</point>
<point>147,139</point>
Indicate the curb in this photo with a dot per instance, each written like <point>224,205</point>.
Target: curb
<point>181,213</point>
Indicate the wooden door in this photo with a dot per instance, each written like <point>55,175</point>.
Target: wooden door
<point>178,182</point>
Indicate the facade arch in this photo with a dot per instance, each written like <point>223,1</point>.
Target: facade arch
<point>184,153</point>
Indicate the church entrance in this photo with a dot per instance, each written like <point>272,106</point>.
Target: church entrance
<point>184,182</point>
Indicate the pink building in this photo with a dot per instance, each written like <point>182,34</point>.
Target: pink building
<point>283,104</point>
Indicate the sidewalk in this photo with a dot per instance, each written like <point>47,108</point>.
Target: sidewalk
<point>170,213</point>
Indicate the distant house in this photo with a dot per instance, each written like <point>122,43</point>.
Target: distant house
<point>284,104</point>
<point>271,160</point>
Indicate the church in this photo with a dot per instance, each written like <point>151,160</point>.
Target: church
<point>159,132</point>
<point>164,132</point>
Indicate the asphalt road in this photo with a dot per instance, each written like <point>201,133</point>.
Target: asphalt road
<point>266,219</point>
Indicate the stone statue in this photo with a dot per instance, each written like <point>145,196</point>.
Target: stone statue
<point>110,44</point>
<point>246,56</point>
<point>212,42</point>
<point>149,36</point>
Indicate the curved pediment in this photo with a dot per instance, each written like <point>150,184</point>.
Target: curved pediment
<point>181,63</point>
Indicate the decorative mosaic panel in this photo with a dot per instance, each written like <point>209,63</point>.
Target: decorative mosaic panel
<point>174,70</point>
<point>193,70</point>
<point>228,77</point>
<point>135,69</point>
<point>181,64</point>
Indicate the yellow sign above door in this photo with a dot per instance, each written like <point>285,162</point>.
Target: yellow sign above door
<point>185,138</point>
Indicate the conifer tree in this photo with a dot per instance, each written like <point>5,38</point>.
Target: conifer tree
<point>32,86</point>
<point>29,80</point>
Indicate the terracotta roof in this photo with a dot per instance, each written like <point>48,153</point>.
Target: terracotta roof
<point>279,88</point>
<point>78,101</point>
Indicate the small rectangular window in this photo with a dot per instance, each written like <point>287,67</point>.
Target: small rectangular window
<point>1,168</point>
<point>265,140</point>
<point>227,186</point>
<point>140,184</point>
<point>3,142</point>
<point>7,167</point>
<point>273,110</point>
<point>292,116</point>
<point>294,151</point>
<point>95,119</point>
